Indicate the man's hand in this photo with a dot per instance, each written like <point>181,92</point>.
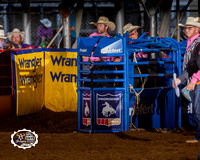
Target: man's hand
<point>178,81</point>
<point>190,86</point>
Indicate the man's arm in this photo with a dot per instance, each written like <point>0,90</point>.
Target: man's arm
<point>184,76</point>
<point>196,75</point>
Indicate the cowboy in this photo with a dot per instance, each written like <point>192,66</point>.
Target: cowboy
<point>133,34</point>
<point>132,30</point>
<point>44,32</point>
<point>103,26</point>
<point>2,38</point>
<point>16,37</point>
<point>191,69</point>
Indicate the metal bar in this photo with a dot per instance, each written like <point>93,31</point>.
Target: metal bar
<point>85,63</point>
<point>108,80</point>
<point>66,33</point>
<point>85,80</point>
<point>110,88</point>
<point>120,18</point>
<point>156,88</point>
<point>177,21</point>
<point>84,88</point>
<point>84,71</point>
<point>107,63</point>
<point>153,23</point>
<point>152,62</point>
<point>144,50</point>
<point>27,28</point>
<point>150,75</point>
<point>109,72</point>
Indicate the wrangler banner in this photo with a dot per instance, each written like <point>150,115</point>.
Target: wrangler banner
<point>60,80</point>
<point>28,74</point>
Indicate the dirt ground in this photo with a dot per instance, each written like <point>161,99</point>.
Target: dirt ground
<point>59,140</point>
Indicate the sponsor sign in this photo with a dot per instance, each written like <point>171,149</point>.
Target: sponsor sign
<point>86,108</point>
<point>61,81</point>
<point>29,78</point>
<point>24,139</point>
<point>109,109</point>
<point>109,47</point>
<point>115,47</point>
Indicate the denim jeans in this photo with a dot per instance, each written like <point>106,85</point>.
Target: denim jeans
<point>195,96</point>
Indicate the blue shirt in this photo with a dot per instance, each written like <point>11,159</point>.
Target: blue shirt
<point>73,23</point>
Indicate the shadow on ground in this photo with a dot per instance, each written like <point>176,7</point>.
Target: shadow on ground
<point>45,121</point>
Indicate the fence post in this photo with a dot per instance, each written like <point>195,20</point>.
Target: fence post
<point>66,33</point>
<point>27,28</point>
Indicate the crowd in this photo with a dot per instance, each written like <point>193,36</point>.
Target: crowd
<point>15,38</point>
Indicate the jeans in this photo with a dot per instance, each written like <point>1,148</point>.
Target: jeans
<point>195,96</point>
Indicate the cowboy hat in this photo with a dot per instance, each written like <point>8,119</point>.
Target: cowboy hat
<point>129,27</point>
<point>15,30</point>
<point>2,33</point>
<point>193,21</point>
<point>105,20</point>
<point>47,23</point>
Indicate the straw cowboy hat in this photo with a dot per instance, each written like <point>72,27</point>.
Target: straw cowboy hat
<point>47,23</point>
<point>105,20</point>
<point>2,33</point>
<point>129,27</point>
<point>192,21</point>
<point>15,30</point>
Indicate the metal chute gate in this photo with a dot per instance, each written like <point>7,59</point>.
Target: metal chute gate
<point>114,95</point>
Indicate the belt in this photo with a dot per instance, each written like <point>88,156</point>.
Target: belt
<point>198,82</point>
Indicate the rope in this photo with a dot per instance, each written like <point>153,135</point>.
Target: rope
<point>136,94</point>
<point>143,83</point>
<point>134,57</point>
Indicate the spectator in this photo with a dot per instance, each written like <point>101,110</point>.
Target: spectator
<point>103,26</point>
<point>44,32</point>
<point>16,37</point>
<point>2,38</point>
<point>132,30</point>
<point>133,34</point>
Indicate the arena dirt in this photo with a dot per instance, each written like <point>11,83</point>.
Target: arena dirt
<point>59,140</point>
